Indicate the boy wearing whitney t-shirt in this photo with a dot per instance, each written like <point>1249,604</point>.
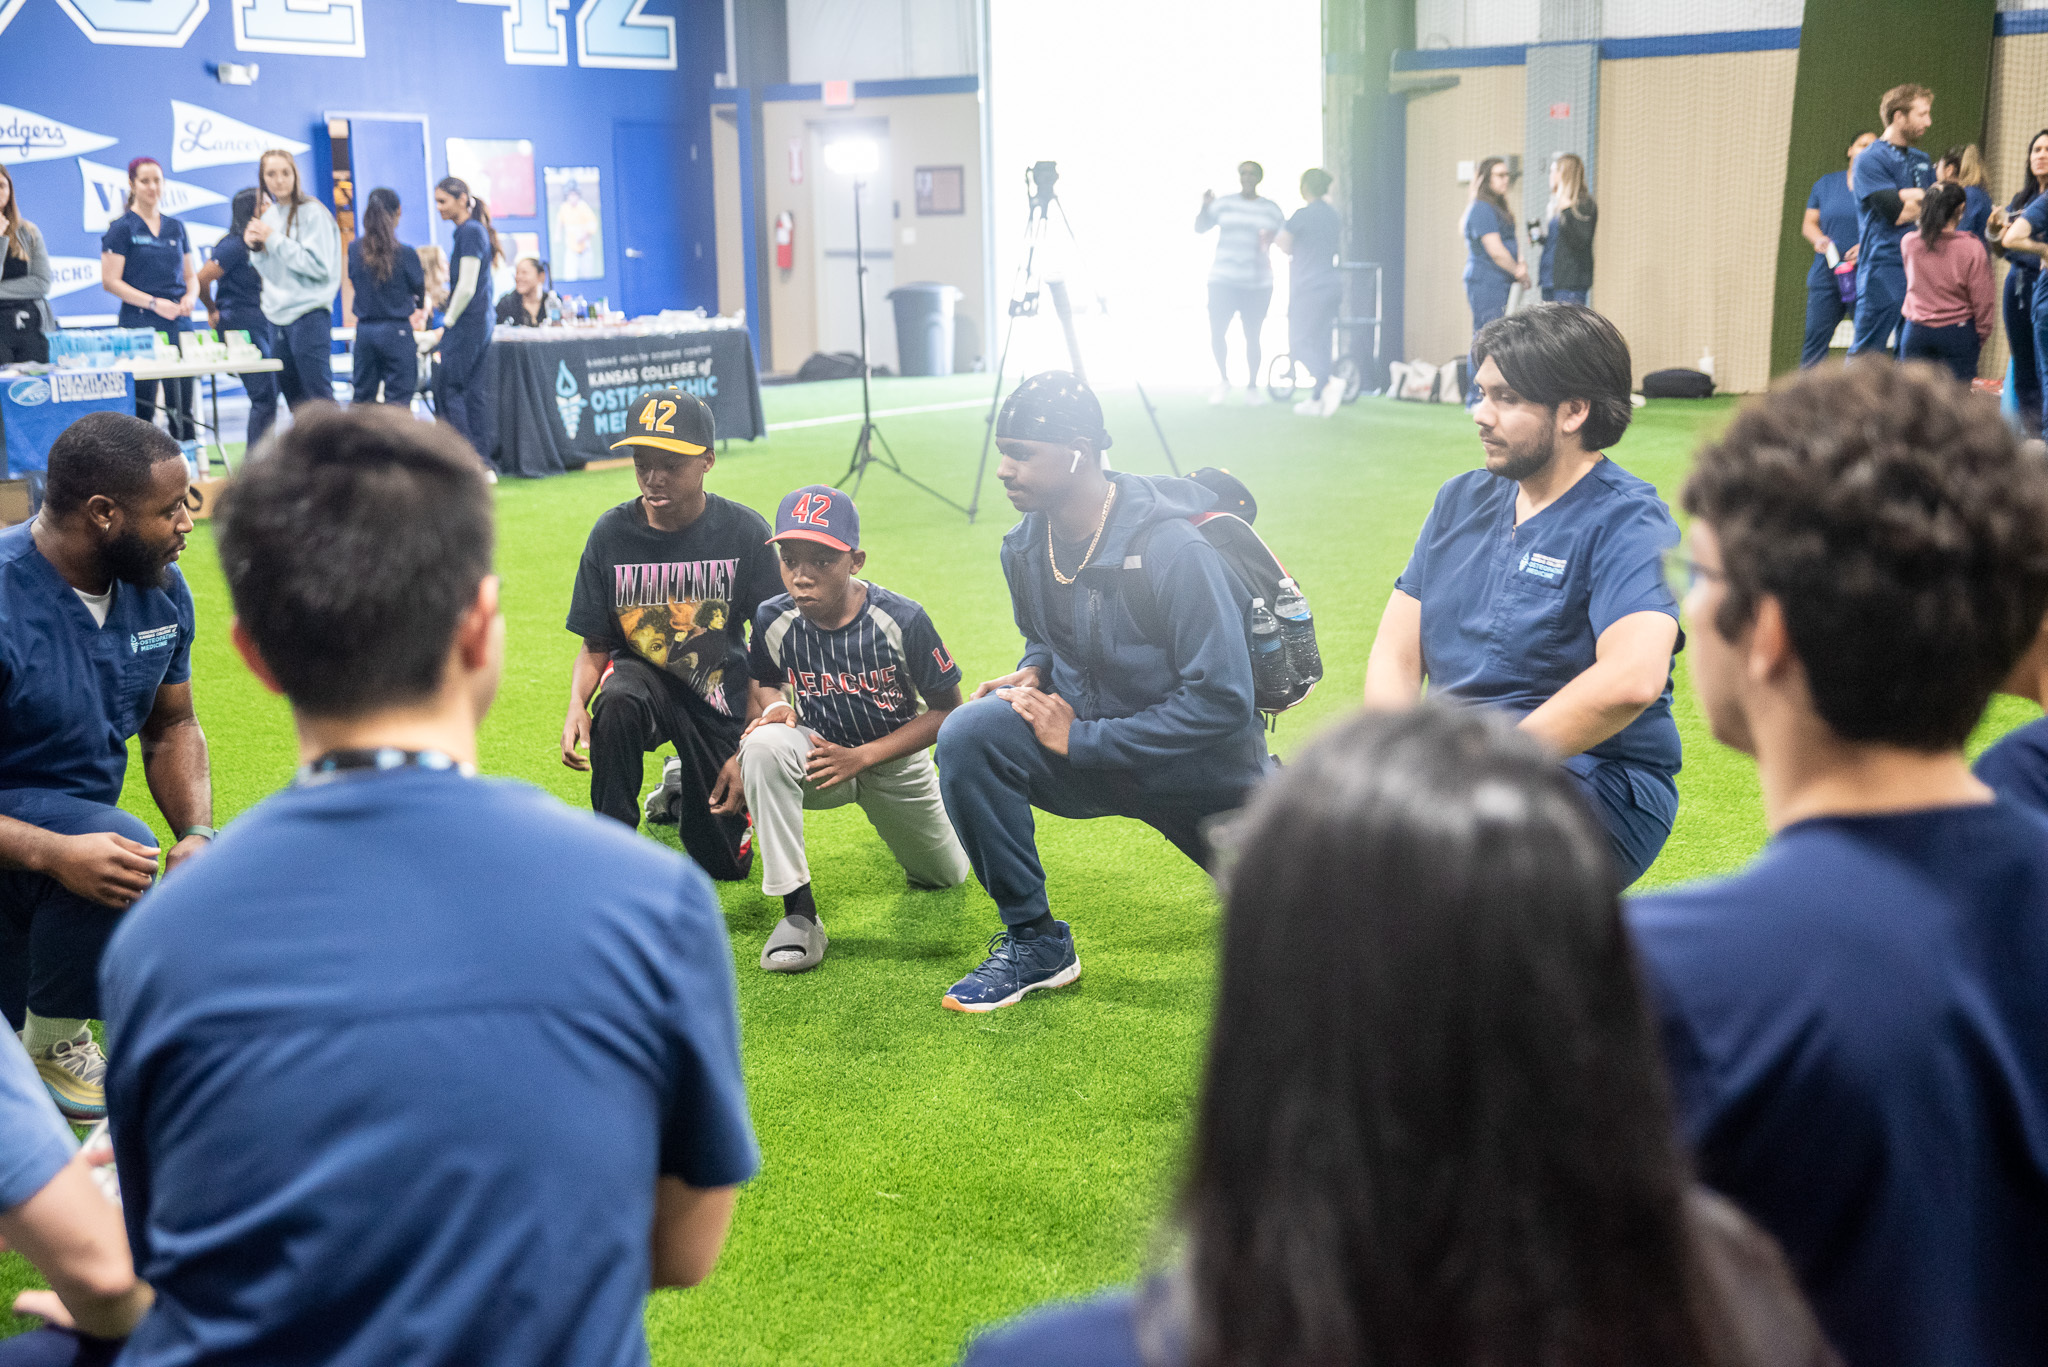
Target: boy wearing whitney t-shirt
<point>856,658</point>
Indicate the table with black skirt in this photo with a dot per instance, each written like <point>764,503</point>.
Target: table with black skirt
<point>562,393</point>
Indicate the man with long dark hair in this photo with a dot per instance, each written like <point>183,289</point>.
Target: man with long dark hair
<point>95,649</point>
<point>1433,1128</point>
<point>1537,583</point>
<point>1857,1023</point>
<point>418,1066</point>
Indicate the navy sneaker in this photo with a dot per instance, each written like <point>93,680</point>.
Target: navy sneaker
<point>1014,967</point>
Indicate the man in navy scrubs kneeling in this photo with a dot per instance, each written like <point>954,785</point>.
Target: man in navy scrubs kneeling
<point>1537,584</point>
<point>95,648</point>
<point>416,1066</point>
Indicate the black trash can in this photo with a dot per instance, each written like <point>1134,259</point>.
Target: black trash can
<point>924,327</point>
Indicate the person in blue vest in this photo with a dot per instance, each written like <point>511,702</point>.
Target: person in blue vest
<point>390,287</point>
<point>1493,264</point>
<point>1890,178</point>
<point>462,388</point>
<point>147,262</point>
<point>1832,227</point>
<point>232,293</point>
<point>1537,584</point>
<point>2017,298</point>
<point>95,650</point>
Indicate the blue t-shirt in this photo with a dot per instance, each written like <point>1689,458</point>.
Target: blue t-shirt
<point>1879,167</point>
<point>239,291</point>
<point>1510,614</point>
<point>1838,219</point>
<point>1856,1027</point>
<point>394,298</point>
<point>858,683</point>
<point>1100,1332</point>
<point>72,691</point>
<point>1318,232</point>
<point>1482,218</point>
<point>153,262</point>
<point>1976,210</point>
<point>472,241</point>
<point>2016,767</point>
<point>395,1067</point>
<point>35,1143</point>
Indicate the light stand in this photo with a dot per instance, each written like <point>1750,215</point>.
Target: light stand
<point>857,157</point>
<point>1040,178</point>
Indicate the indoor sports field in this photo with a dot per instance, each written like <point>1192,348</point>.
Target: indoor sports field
<point>926,1172</point>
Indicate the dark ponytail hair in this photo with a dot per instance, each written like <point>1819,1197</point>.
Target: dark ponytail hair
<point>1939,210</point>
<point>244,209</point>
<point>459,189</point>
<point>380,237</point>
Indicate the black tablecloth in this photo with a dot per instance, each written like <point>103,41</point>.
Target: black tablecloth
<point>562,402</point>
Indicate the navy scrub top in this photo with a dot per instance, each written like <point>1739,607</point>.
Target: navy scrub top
<point>1510,614</point>
<point>1882,166</point>
<point>1837,204</point>
<point>477,316</point>
<point>73,692</point>
<point>1482,218</point>
<point>152,262</point>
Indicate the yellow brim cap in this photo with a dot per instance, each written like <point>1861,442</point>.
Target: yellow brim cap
<point>681,448</point>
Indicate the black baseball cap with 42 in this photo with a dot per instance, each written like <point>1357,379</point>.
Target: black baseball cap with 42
<point>673,420</point>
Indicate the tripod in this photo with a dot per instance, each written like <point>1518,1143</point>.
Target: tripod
<point>864,444</point>
<point>1041,177</point>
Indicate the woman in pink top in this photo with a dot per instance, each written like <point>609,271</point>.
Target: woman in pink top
<point>1949,299</point>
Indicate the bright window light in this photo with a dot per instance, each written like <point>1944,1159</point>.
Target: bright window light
<point>853,156</point>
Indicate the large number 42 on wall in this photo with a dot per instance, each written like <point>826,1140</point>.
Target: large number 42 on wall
<point>610,33</point>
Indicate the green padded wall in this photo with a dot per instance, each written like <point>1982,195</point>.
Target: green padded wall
<point>1850,53</point>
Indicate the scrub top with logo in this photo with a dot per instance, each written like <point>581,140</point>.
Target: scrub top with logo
<point>153,262</point>
<point>1510,614</point>
<point>1837,204</point>
<point>1480,219</point>
<point>71,691</point>
<point>1878,167</point>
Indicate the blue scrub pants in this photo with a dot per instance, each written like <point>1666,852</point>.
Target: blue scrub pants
<point>993,771</point>
<point>1311,327</point>
<point>1489,300</point>
<point>1824,313</point>
<point>1880,295</point>
<point>2019,336</point>
<point>173,396</point>
<point>306,346</point>
<point>50,937</point>
<point>1955,347</point>
<point>58,1348</point>
<point>260,385</point>
<point>1558,296</point>
<point>1636,805</point>
<point>385,355</point>
<point>462,387</point>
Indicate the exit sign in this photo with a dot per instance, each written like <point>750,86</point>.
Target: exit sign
<point>1560,110</point>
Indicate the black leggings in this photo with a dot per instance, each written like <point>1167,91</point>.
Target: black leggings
<point>638,708</point>
<point>1245,302</point>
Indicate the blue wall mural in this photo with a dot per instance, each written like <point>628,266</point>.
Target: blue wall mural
<point>91,84</point>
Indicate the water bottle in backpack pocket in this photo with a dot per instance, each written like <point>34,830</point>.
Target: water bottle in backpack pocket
<point>1298,632</point>
<point>1271,675</point>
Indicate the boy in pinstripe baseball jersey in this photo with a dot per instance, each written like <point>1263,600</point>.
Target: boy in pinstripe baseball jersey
<point>855,658</point>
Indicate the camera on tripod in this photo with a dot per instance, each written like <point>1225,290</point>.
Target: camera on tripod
<point>1039,178</point>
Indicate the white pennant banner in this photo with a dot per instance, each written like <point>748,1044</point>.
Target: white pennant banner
<point>106,191</point>
<point>26,136</point>
<point>201,137</point>
<point>68,273</point>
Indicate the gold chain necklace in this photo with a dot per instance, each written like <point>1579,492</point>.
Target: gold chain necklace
<point>1087,556</point>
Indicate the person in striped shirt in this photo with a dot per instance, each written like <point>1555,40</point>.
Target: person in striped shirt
<point>839,666</point>
<point>1241,277</point>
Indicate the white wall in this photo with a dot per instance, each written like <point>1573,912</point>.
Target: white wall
<point>1489,23</point>
<point>879,40</point>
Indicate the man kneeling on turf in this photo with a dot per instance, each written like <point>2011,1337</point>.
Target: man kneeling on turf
<point>1111,712</point>
<point>851,652</point>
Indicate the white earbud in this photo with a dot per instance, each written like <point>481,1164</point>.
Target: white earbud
<point>1078,453</point>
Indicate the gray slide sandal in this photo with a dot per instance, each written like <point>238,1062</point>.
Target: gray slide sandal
<point>796,945</point>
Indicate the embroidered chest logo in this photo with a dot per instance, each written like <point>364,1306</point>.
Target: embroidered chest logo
<point>1548,568</point>
<point>155,638</point>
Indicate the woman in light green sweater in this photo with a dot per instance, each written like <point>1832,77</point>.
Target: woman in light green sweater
<point>296,248</point>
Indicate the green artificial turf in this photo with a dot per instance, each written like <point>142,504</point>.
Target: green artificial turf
<point>924,1172</point>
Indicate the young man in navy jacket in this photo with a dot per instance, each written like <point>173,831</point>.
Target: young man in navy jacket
<point>1102,717</point>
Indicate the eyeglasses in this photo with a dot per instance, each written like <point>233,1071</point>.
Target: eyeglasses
<point>1683,573</point>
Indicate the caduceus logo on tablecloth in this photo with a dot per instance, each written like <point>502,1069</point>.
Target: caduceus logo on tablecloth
<point>568,399</point>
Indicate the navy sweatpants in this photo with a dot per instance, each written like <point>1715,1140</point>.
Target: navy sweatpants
<point>306,347</point>
<point>462,389</point>
<point>993,771</point>
<point>260,385</point>
<point>385,355</point>
<point>50,937</point>
<point>1955,347</point>
<point>1636,805</point>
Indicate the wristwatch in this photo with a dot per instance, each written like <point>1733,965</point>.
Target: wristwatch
<point>190,831</point>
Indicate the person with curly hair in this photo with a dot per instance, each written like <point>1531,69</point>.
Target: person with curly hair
<point>1857,1023</point>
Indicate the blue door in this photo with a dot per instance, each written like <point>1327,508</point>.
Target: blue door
<point>393,152</point>
<point>665,237</point>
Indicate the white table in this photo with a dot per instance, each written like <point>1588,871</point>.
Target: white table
<point>148,371</point>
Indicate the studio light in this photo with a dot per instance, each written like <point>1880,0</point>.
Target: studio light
<point>853,156</point>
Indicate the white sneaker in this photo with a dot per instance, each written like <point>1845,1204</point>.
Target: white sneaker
<point>1254,396</point>
<point>660,806</point>
<point>1333,396</point>
<point>75,1072</point>
<point>1219,394</point>
<point>490,475</point>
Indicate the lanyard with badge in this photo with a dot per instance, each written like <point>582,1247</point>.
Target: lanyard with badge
<point>341,764</point>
